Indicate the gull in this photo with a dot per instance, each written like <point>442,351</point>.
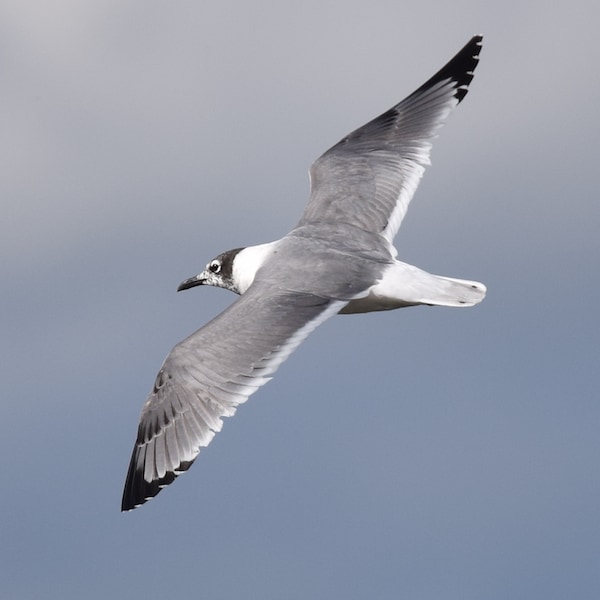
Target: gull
<point>338,259</point>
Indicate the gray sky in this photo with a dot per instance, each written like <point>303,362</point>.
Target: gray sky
<point>422,453</point>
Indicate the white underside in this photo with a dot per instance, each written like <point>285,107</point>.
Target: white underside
<point>404,285</point>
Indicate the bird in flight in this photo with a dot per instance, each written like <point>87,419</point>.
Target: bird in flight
<point>338,259</point>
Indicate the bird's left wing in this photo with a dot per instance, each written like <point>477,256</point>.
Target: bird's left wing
<point>207,375</point>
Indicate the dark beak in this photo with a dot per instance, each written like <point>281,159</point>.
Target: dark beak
<point>190,283</point>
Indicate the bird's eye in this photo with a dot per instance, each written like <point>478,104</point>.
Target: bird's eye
<point>214,266</point>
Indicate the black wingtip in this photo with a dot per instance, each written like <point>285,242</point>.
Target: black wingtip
<point>137,490</point>
<point>459,69</point>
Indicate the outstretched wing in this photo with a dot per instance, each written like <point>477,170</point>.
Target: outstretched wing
<point>207,375</point>
<point>369,177</point>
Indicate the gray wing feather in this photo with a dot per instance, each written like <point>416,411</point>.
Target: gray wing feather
<point>207,375</point>
<point>369,177</point>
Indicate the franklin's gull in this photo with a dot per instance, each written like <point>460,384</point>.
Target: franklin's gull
<point>338,259</point>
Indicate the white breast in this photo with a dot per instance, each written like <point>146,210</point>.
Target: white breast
<point>247,262</point>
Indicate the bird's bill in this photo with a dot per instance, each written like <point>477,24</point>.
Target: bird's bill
<point>191,282</point>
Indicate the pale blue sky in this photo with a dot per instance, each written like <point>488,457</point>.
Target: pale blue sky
<point>422,453</point>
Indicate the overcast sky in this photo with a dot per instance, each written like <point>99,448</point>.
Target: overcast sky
<point>423,453</point>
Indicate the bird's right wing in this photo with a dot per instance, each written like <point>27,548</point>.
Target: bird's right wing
<point>369,177</point>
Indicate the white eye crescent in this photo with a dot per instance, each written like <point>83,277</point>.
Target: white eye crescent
<point>214,266</point>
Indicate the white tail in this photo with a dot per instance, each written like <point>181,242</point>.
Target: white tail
<point>404,285</point>
<point>447,291</point>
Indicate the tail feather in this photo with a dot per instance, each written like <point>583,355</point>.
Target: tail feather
<point>448,291</point>
<point>406,285</point>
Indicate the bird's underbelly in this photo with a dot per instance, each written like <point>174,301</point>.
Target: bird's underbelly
<point>393,290</point>
<point>374,302</point>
